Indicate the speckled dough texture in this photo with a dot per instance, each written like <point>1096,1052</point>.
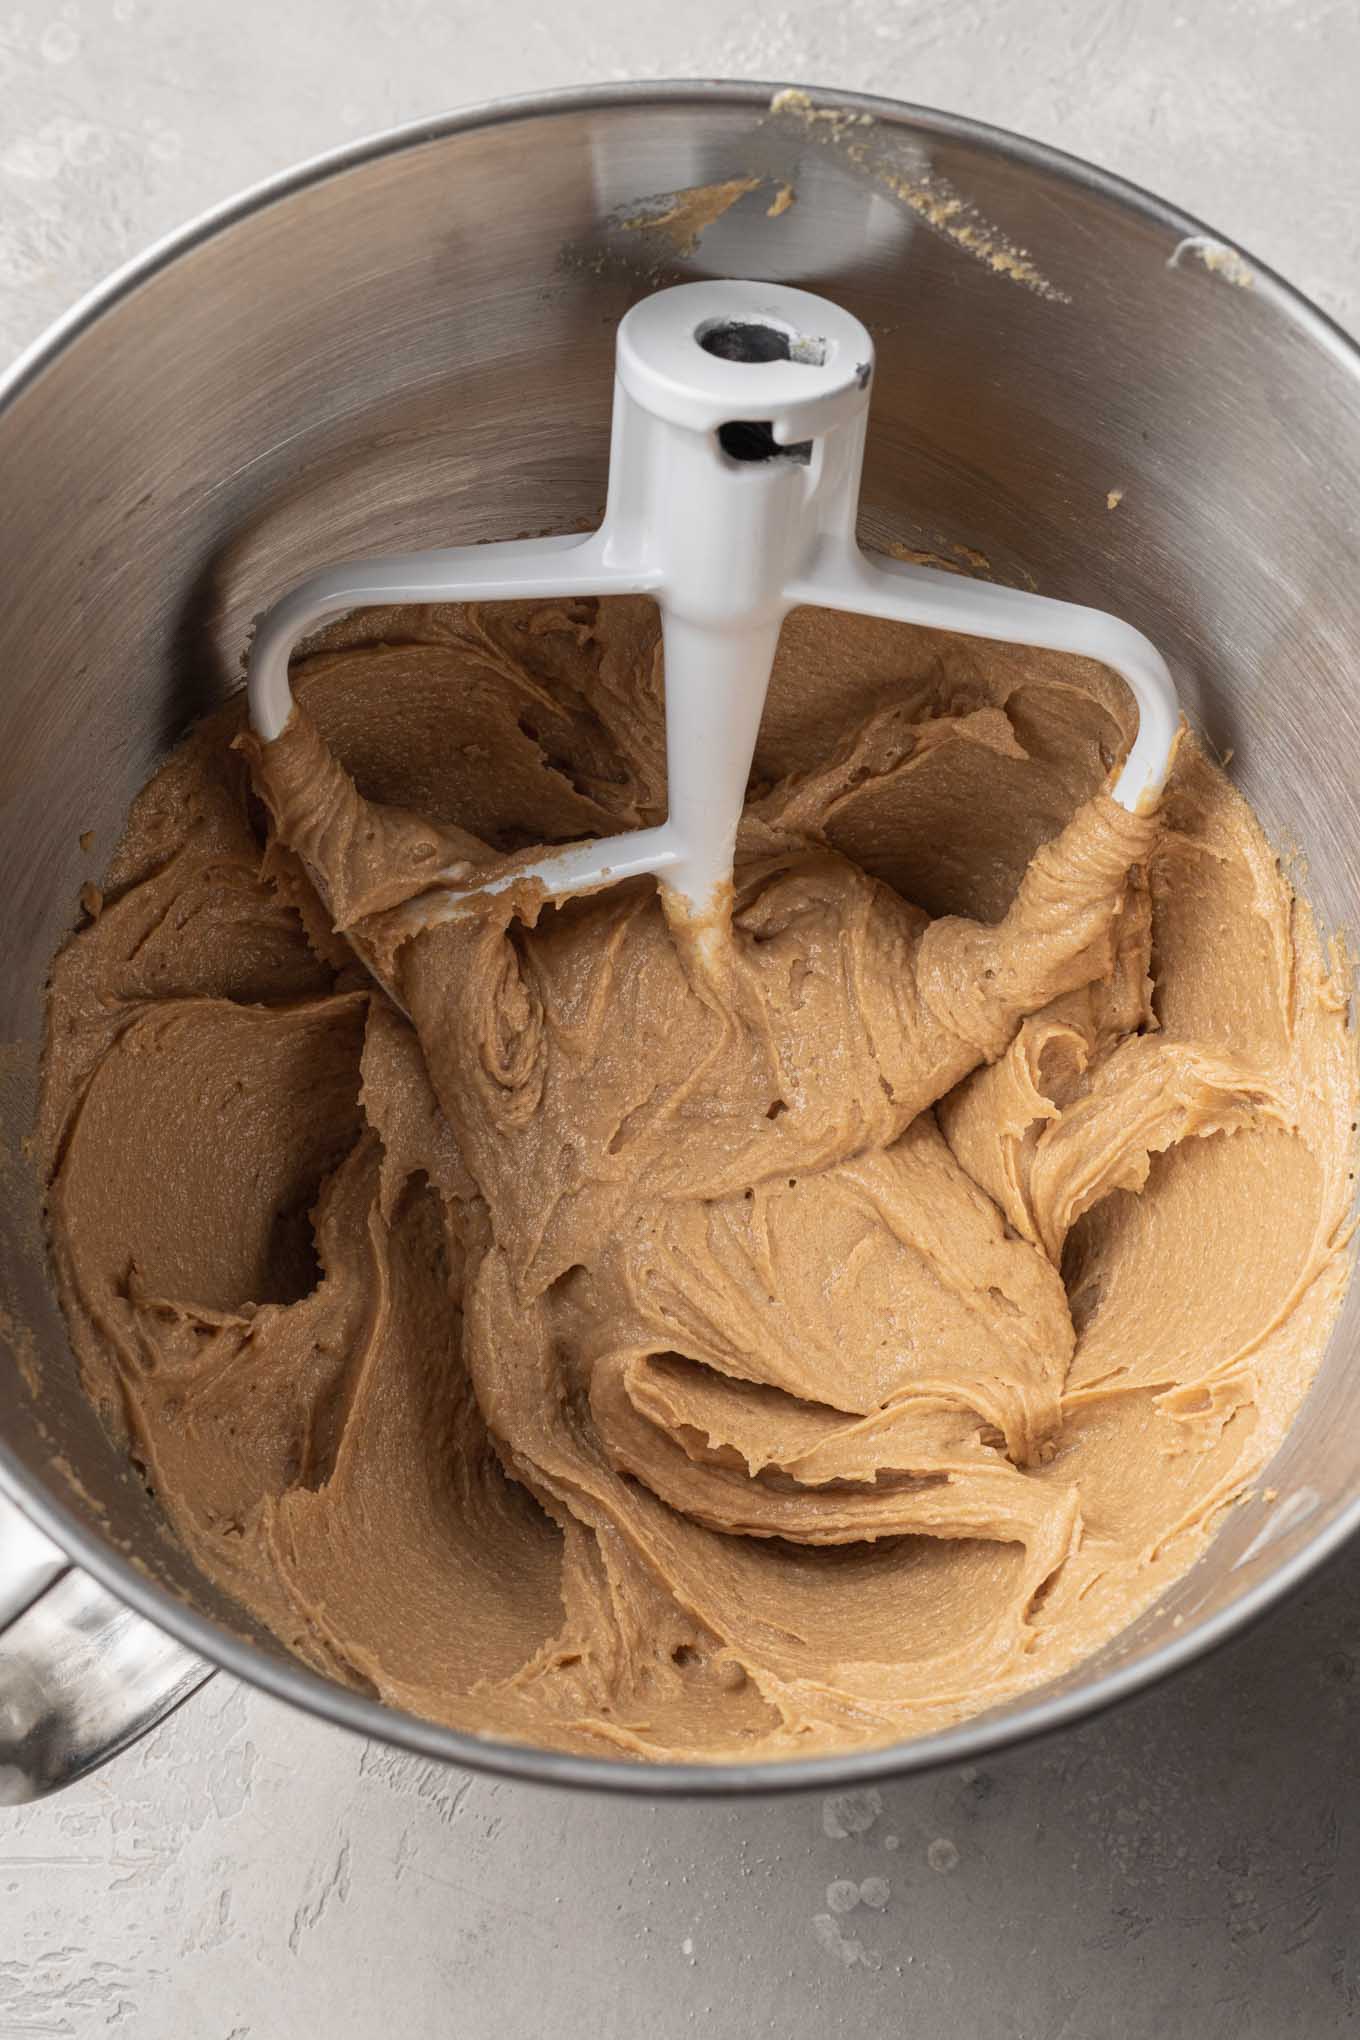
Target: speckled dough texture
<point>572,1342</point>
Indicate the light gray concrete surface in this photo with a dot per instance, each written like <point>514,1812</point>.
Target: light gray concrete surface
<point>1187,1867</point>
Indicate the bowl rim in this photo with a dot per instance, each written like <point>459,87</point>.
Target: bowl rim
<point>288,1679</point>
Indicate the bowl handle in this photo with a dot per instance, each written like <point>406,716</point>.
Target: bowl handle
<point>81,1676</point>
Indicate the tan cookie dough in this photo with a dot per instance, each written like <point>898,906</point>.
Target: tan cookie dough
<point>571,1344</point>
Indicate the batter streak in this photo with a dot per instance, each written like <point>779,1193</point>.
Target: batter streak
<point>571,1346</point>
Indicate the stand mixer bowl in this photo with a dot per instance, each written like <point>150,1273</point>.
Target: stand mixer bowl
<point>413,337</point>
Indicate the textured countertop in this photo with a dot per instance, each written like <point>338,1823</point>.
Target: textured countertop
<point>1189,1866</point>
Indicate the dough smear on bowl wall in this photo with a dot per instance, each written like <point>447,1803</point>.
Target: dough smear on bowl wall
<point>580,1350</point>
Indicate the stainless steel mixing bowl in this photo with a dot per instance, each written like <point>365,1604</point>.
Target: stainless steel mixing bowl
<point>409,343</point>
